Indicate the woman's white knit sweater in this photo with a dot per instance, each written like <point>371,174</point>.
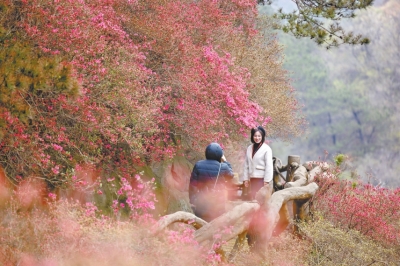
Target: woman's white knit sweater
<point>259,166</point>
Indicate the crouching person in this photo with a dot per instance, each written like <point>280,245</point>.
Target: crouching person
<point>207,190</point>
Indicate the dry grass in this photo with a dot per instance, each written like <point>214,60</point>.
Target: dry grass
<point>64,235</point>
<point>334,246</point>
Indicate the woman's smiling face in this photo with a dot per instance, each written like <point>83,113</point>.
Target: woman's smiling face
<point>257,137</point>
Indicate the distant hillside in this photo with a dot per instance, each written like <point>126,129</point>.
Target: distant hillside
<point>350,96</point>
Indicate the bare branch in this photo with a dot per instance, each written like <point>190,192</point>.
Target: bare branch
<point>179,217</point>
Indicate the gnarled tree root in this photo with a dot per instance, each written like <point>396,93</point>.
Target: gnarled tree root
<point>236,222</point>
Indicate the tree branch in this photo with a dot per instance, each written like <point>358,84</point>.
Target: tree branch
<point>179,217</point>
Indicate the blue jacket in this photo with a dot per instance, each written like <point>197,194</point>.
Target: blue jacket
<point>205,172</point>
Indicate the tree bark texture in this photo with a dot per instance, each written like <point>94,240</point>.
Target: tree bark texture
<point>279,179</point>
<point>299,176</point>
<point>270,214</point>
<point>289,172</point>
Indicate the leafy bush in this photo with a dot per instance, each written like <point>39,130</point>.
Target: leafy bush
<point>352,205</point>
<point>352,223</point>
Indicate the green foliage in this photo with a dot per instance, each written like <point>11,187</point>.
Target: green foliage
<point>319,21</point>
<point>30,84</point>
<point>339,159</point>
<point>25,74</point>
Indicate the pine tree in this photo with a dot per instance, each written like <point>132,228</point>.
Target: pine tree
<point>320,20</point>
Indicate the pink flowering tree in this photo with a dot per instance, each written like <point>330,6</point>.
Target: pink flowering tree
<point>117,85</point>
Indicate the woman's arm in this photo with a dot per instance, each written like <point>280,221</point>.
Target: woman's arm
<point>269,165</point>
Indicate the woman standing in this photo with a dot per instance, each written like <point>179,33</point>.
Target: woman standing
<point>258,165</point>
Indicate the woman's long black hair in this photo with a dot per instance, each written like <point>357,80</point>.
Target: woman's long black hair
<point>257,129</point>
<point>256,146</point>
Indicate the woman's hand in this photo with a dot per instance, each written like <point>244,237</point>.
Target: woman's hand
<point>266,183</point>
<point>246,183</point>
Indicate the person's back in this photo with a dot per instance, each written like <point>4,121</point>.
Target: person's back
<point>207,183</point>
